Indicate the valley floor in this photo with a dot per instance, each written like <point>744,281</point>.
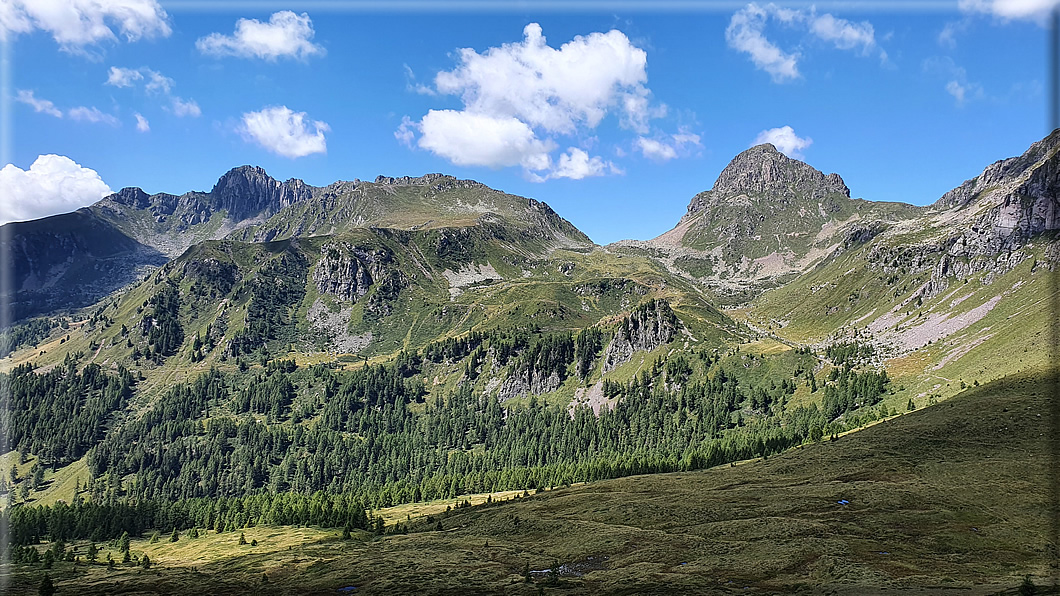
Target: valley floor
<point>951,498</point>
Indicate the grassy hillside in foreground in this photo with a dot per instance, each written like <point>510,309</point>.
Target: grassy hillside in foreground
<point>947,499</point>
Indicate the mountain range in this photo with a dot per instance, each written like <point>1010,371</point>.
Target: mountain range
<point>410,339</point>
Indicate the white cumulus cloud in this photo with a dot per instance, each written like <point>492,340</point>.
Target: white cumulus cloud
<point>518,96</point>
<point>141,123</point>
<point>785,140</point>
<point>285,35</point>
<point>472,139</point>
<point>555,89</point>
<point>75,24</point>
<point>746,33</point>
<point>285,132</point>
<point>53,184</point>
<point>576,164</point>
<point>38,105</point>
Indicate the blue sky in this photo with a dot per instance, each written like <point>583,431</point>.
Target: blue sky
<point>616,119</point>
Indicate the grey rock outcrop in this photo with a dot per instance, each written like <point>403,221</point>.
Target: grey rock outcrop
<point>347,272</point>
<point>647,327</point>
<point>986,222</point>
<point>528,382</point>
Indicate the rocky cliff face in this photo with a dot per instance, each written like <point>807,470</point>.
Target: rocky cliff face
<point>243,193</point>
<point>1012,201</point>
<point>347,272</point>
<point>350,273</point>
<point>528,382</point>
<point>985,223</point>
<point>647,327</point>
<point>999,172</point>
<point>247,191</point>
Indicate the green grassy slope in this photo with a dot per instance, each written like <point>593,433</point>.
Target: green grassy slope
<point>427,202</point>
<point>439,290</point>
<point>947,499</point>
<point>973,328</point>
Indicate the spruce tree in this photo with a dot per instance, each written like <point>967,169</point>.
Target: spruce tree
<point>47,588</point>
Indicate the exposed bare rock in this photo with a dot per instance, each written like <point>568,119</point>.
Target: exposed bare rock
<point>764,170</point>
<point>248,191</point>
<point>335,327</point>
<point>647,327</point>
<point>528,382</point>
<point>468,276</point>
<point>347,272</point>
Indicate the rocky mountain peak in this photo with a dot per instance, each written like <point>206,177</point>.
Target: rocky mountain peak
<point>248,191</point>
<point>132,196</point>
<point>763,170</point>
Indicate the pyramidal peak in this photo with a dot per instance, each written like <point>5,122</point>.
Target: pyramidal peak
<point>763,169</point>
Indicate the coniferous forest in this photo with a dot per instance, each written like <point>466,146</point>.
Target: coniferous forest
<point>282,444</point>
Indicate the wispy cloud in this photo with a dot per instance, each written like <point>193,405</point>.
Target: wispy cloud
<point>79,113</point>
<point>746,33</point>
<point>947,37</point>
<point>183,108</point>
<point>667,148</point>
<point>39,105</point>
<point>956,79</point>
<point>87,114</point>
<point>123,77</point>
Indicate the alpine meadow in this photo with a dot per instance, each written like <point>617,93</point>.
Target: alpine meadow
<point>427,385</point>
